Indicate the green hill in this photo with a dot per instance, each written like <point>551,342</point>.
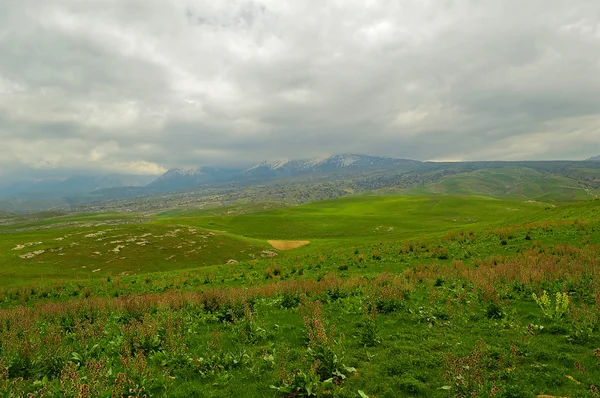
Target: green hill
<point>463,296</point>
<point>512,183</point>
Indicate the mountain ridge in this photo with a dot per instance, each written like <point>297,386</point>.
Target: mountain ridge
<point>53,188</point>
<point>181,178</point>
<point>304,180</point>
<point>285,167</point>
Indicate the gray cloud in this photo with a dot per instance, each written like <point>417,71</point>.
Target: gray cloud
<point>141,85</point>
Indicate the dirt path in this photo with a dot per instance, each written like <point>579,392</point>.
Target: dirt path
<point>287,244</point>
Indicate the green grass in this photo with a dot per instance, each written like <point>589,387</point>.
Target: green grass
<point>48,220</point>
<point>454,273</point>
<point>511,183</point>
<point>238,233</point>
<point>359,220</point>
<point>96,252</point>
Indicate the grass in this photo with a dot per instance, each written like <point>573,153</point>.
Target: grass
<point>113,250</point>
<point>98,245</point>
<point>49,220</point>
<point>512,183</point>
<point>357,220</point>
<point>442,305</point>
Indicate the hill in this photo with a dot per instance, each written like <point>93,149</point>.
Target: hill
<point>521,183</point>
<point>108,244</point>
<point>463,297</point>
<point>303,181</point>
<point>345,175</point>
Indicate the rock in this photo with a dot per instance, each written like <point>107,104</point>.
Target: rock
<point>32,254</point>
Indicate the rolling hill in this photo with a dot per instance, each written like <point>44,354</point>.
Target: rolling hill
<point>302,181</point>
<point>393,296</point>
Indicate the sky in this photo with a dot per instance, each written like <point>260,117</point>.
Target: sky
<point>139,86</point>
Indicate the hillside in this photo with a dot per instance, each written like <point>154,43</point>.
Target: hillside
<point>108,244</point>
<point>394,296</point>
<point>515,183</point>
<point>544,181</point>
<point>303,181</point>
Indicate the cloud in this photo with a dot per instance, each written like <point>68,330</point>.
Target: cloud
<point>140,167</point>
<point>144,85</point>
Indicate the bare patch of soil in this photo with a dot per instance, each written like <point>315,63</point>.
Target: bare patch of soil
<point>287,244</point>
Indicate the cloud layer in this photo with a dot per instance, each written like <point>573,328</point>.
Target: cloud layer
<point>141,85</point>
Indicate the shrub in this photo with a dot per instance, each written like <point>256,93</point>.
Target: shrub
<point>474,374</point>
<point>552,310</point>
<point>441,253</point>
<point>325,350</point>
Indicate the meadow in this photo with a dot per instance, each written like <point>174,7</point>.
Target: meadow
<point>517,183</point>
<point>395,296</point>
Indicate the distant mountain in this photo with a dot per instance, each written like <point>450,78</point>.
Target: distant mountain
<point>304,180</point>
<point>106,194</point>
<point>285,168</point>
<point>178,178</point>
<point>78,191</point>
<point>58,188</point>
<point>594,158</point>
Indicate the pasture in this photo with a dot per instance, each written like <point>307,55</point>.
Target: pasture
<point>461,297</point>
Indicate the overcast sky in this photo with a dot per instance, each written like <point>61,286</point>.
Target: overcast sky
<point>137,86</point>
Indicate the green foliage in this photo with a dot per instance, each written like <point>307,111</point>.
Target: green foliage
<point>476,373</point>
<point>305,384</point>
<point>248,329</point>
<point>369,331</point>
<point>325,350</point>
<point>553,310</point>
<point>584,322</point>
<point>401,323</point>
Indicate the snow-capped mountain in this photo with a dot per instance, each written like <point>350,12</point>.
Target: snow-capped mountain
<point>268,168</point>
<point>362,161</point>
<point>283,168</point>
<point>183,178</point>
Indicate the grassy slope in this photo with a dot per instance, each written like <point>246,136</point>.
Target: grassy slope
<point>97,245</point>
<point>203,238</point>
<point>444,315</point>
<point>511,183</point>
<point>50,220</point>
<point>359,220</point>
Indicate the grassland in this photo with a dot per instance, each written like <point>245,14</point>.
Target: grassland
<point>356,220</point>
<point>101,246</point>
<point>518,183</point>
<point>394,296</point>
<point>98,245</point>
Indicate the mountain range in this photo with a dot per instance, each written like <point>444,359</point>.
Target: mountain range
<point>365,172</point>
<point>84,189</point>
<point>72,186</point>
<point>179,178</point>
